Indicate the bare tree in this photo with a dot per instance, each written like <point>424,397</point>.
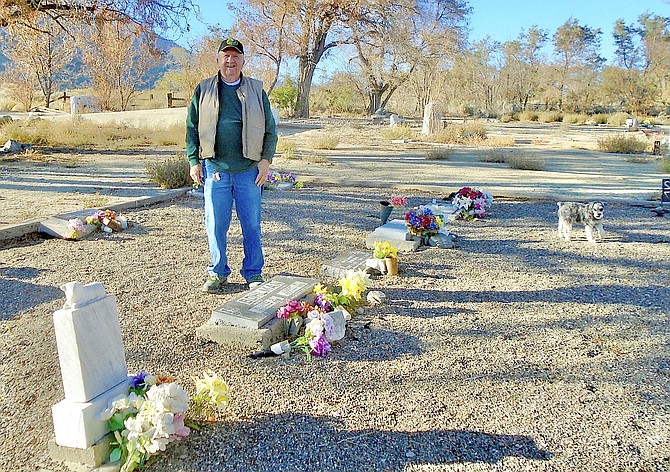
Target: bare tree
<point>21,84</point>
<point>42,52</point>
<point>523,63</point>
<point>576,47</point>
<point>151,14</point>
<point>118,55</point>
<point>394,38</point>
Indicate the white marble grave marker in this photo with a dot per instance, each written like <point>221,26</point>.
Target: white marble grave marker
<point>92,362</point>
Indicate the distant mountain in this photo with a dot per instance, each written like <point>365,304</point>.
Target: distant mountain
<point>77,78</point>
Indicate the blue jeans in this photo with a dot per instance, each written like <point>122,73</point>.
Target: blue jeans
<point>219,197</point>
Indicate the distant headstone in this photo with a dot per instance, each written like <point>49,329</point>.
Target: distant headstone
<point>395,232</point>
<point>665,191</point>
<point>259,305</point>
<point>395,120</point>
<point>432,120</point>
<point>92,362</point>
<point>352,260</point>
<point>632,124</point>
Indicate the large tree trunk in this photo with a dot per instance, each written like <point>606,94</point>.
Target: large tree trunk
<point>305,75</point>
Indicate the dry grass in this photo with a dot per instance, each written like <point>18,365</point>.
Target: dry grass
<point>617,119</point>
<point>470,133</point>
<point>664,165</point>
<point>551,117</point>
<point>529,116</point>
<point>95,201</point>
<point>525,162</point>
<point>401,131</point>
<point>438,154</point>
<point>622,143</point>
<point>323,142</point>
<point>494,156</point>
<point>575,118</point>
<point>171,172</point>
<point>499,141</point>
<point>77,132</point>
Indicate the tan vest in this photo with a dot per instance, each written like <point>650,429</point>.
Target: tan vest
<point>250,93</point>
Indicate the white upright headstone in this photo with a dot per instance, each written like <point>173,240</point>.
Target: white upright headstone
<point>432,120</point>
<point>92,362</point>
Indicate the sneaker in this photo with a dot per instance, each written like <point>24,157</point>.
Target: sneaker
<point>255,281</point>
<point>214,284</point>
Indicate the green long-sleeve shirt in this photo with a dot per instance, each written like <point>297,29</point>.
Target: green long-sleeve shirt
<point>228,144</point>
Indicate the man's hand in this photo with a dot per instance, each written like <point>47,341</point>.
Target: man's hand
<point>263,169</point>
<point>196,174</point>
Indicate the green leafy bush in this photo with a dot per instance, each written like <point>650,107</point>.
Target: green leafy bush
<point>171,172</point>
<point>622,143</point>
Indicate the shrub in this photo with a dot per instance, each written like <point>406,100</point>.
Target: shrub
<point>495,156</point>
<point>525,163</point>
<point>471,133</point>
<point>401,131</point>
<point>551,117</point>
<point>499,141</point>
<point>601,118</point>
<point>575,119</point>
<point>506,118</point>
<point>323,142</point>
<point>618,119</point>
<point>529,116</point>
<point>171,172</point>
<point>438,154</point>
<point>622,143</point>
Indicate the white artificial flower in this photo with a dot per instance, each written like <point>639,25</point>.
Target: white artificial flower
<point>168,397</point>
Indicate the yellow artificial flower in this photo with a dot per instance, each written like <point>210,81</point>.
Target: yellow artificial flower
<point>318,288</point>
<point>213,387</point>
<point>384,249</point>
<point>354,283</point>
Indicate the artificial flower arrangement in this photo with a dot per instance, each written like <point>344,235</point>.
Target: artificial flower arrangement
<point>398,201</point>
<point>384,258</point>
<point>423,222</point>
<point>471,203</point>
<point>384,249</point>
<point>282,180</point>
<point>324,317</point>
<point>76,227</point>
<point>153,414</point>
<point>107,220</point>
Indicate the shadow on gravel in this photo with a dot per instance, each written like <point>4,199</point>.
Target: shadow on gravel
<point>322,443</point>
<point>19,296</point>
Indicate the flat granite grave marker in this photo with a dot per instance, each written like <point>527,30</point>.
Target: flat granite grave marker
<point>260,304</point>
<point>352,260</point>
<point>395,232</point>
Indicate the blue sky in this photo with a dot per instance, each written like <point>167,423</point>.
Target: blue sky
<point>504,20</point>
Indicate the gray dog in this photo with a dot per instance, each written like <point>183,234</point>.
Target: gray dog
<point>589,214</point>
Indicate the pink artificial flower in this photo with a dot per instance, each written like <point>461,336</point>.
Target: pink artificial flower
<point>398,201</point>
<point>180,429</point>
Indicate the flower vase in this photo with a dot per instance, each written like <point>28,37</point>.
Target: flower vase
<point>385,211</point>
<point>292,326</point>
<point>391,265</point>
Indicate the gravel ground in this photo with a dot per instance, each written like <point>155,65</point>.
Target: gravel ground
<point>514,351</point>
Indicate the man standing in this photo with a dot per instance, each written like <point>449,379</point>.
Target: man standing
<point>231,137</point>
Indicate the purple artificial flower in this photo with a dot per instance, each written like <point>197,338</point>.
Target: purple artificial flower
<point>325,305</point>
<point>319,346</point>
<point>138,379</point>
